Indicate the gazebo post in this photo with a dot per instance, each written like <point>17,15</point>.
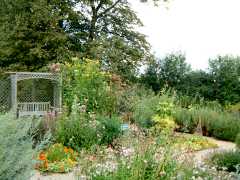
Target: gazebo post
<point>60,92</point>
<point>14,93</point>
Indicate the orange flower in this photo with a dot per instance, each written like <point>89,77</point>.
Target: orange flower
<point>42,156</point>
<point>66,149</point>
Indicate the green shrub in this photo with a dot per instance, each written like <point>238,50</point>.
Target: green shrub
<point>130,95</point>
<point>144,110</point>
<point>84,130</point>
<point>229,160</point>
<point>238,141</point>
<point>108,129</point>
<point>15,148</point>
<point>163,124</point>
<point>218,124</point>
<point>234,108</point>
<point>76,132</point>
<point>165,109</point>
<point>184,118</point>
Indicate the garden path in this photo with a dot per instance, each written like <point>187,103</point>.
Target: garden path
<point>67,176</point>
<point>200,156</point>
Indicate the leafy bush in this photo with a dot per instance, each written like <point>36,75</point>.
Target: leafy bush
<point>84,130</point>
<point>109,129</point>
<point>183,117</point>
<point>76,132</point>
<point>165,109</point>
<point>238,141</point>
<point>15,148</point>
<point>234,108</point>
<point>227,160</point>
<point>56,159</point>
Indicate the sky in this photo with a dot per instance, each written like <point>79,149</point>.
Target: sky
<point>201,29</point>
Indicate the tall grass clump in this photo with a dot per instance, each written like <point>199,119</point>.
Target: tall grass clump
<point>237,141</point>
<point>15,148</point>
<point>219,124</point>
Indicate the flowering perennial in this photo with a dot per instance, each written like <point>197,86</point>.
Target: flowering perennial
<point>57,158</point>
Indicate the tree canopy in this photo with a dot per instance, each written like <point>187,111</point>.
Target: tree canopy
<point>31,34</point>
<point>220,82</point>
<point>37,32</point>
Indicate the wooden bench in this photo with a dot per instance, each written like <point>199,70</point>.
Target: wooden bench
<point>33,108</point>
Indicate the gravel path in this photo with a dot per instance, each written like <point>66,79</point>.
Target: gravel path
<point>200,156</point>
<point>68,176</point>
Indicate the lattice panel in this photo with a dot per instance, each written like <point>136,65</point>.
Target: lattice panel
<point>35,90</point>
<point>29,75</point>
<point>5,93</point>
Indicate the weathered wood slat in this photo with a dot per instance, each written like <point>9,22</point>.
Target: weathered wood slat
<point>33,108</point>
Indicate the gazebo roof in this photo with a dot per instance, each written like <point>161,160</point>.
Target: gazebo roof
<point>35,75</point>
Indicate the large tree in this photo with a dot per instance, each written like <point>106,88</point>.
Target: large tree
<point>173,70</point>
<point>170,71</point>
<point>37,32</point>
<point>225,71</point>
<point>31,33</point>
<point>106,30</point>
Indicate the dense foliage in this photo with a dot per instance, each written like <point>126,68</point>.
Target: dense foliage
<point>31,34</point>
<point>35,33</point>
<point>220,82</point>
<point>84,80</point>
<point>221,125</point>
<point>85,130</point>
<point>102,90</point>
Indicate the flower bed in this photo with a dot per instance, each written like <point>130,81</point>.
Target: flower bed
<point>57,158</point>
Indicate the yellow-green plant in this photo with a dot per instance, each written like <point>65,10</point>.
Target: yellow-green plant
<point>163,124</point>
<point>85,79</point>
<point>163,121</point>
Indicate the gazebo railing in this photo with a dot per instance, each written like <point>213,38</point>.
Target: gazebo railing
<point>33,108</point>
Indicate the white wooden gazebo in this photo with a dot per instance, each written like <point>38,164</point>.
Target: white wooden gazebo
<point>25,108</point>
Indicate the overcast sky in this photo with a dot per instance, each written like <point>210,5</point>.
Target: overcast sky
<point>199,28</point>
